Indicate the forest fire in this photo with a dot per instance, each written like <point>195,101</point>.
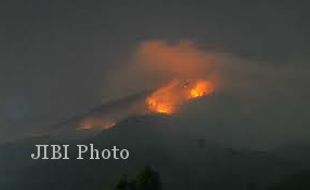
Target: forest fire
<point>192,69</point>
<point>189,70</point>
<point>169,98</point>
<point>92,123</point>
<point>201,88</point>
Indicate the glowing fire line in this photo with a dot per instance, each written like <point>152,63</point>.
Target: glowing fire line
<point>166,100</point>
<point>170,97</point>
<point>91,123</point>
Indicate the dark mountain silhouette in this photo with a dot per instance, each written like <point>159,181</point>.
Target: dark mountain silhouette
<point>295,152</point>
<point>112,107</point>
<point>190,150</point>
<point>183,163</point>
<point>297,181</point>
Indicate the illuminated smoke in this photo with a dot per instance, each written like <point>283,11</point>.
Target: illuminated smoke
<point>177,73</point>
<point>191,73</point>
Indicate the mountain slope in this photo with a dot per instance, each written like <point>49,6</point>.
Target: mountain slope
<point>183,163</point>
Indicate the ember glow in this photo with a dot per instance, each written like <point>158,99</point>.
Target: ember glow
<point>92,123</point>
<point>201,88</point>
<point>189,70</point>
<point>170,97</point>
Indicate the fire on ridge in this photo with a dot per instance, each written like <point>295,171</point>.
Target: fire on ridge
<point>169,98</point>
<point>191,69</point>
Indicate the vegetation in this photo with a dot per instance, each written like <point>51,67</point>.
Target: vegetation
<point>147,179</point>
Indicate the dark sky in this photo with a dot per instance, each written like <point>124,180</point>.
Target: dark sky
<point>55,55</point>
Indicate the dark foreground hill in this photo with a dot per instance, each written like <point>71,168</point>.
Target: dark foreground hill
<point>182,161</point>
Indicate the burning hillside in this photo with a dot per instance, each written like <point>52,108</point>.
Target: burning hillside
<point>188,69</point>
<point>170,97</point>
<point>91,123</point>
<point>167,100</point>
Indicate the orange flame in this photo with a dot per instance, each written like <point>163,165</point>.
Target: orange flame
<point>91,123</point>
<point>169,98</point>
<point>201,88</point>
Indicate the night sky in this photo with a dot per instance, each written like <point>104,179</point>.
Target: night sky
<point>56,56</point>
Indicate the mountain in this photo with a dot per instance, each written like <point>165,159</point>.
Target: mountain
<point>208,144</point>
<point>295,152</point>
<point>182,163</point>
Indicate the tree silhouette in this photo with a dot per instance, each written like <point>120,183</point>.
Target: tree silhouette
<point>122,184</point>
<point>147,179</point>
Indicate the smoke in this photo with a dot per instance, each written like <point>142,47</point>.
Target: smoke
<point>153,63</point>
<point>175,73</point>
<point>255,101</point>
<point>258,98</point>
<point>183,59</point>
<point>156,62</point>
